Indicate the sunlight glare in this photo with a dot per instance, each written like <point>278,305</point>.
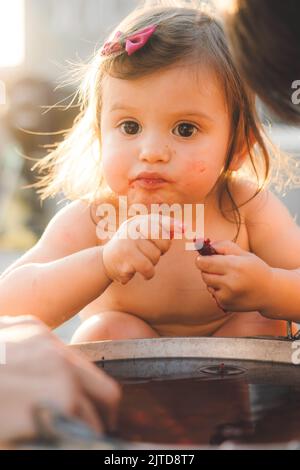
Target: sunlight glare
<point>12,32</point>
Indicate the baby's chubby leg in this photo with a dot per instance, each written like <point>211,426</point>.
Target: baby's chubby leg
<point>113,325</point>
<point>243,324</point>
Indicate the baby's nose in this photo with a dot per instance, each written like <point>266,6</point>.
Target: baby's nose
<point>155,154</point>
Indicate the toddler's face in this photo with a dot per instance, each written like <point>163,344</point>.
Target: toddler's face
<point>164,136</point>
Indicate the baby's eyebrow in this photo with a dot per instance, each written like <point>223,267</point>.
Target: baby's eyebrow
<point>183,113</point>
<point>122,107</point>
<point>195,114</point>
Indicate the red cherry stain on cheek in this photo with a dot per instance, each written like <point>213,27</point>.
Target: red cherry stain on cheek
<point>194,172</point>
<point>195,167</point>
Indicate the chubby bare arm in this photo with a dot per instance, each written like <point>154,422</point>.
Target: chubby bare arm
<point>266,279</point>
<point>275,237</point>
<point>71,230</point>
<point>61,274</point>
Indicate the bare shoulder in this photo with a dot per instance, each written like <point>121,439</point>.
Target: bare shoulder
<point>72,228</point>
<point>257,205</point>
<point>270,227</point>
<point>75,226</point>
<point>246,195</point>
<point>108,204</point>
<point>89,215</point>
<point>105,215</point>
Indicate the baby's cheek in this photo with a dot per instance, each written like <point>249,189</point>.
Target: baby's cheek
<point>195,167</point>
<point>199,179</point>
<point>194,172</point>
<point>114,175</point>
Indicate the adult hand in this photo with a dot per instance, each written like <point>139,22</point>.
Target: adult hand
<point>39,371</point>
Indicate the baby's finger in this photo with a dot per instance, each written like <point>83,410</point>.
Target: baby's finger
<point>217,297</point>
<point>154,235</point>
<point>227,247</point>
<point>211,264</point>
<point>213,281</point>
<point>158,226</point>
<point>150,250</point>
<point>211,290</point>
<point>162,245</point>
<point>125,278</point>
<point>167,228</point>
<point>144,266</point>
<point>171,227</point>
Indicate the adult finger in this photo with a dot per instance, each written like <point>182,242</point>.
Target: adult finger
<point>97,385</point>
<point>87,412</point>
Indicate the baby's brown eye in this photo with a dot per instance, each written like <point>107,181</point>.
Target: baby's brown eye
<point>185,129</point>
<point>130,127</point>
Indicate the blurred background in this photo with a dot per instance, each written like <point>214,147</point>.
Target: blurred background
<point>37,40</point>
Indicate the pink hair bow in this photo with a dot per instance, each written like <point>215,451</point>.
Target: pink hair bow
<point>138,40</point>
<point>132,43</point>
<point>112,46</point>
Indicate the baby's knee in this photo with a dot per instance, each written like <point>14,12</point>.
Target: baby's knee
<point>112,325</point>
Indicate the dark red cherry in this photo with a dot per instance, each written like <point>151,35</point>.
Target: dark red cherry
<point>204,247</point>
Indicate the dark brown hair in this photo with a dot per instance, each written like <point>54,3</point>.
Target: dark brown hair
<point>265,40</point>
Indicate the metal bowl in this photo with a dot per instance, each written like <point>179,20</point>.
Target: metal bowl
<point>204,392</point>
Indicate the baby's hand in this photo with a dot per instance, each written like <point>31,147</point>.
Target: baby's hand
<point>239,281</point>
<point>138,245</point>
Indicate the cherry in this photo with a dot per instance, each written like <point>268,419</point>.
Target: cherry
<point>204,247</point>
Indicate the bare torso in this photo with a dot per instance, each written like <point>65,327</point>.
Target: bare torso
<point>176,301</point>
